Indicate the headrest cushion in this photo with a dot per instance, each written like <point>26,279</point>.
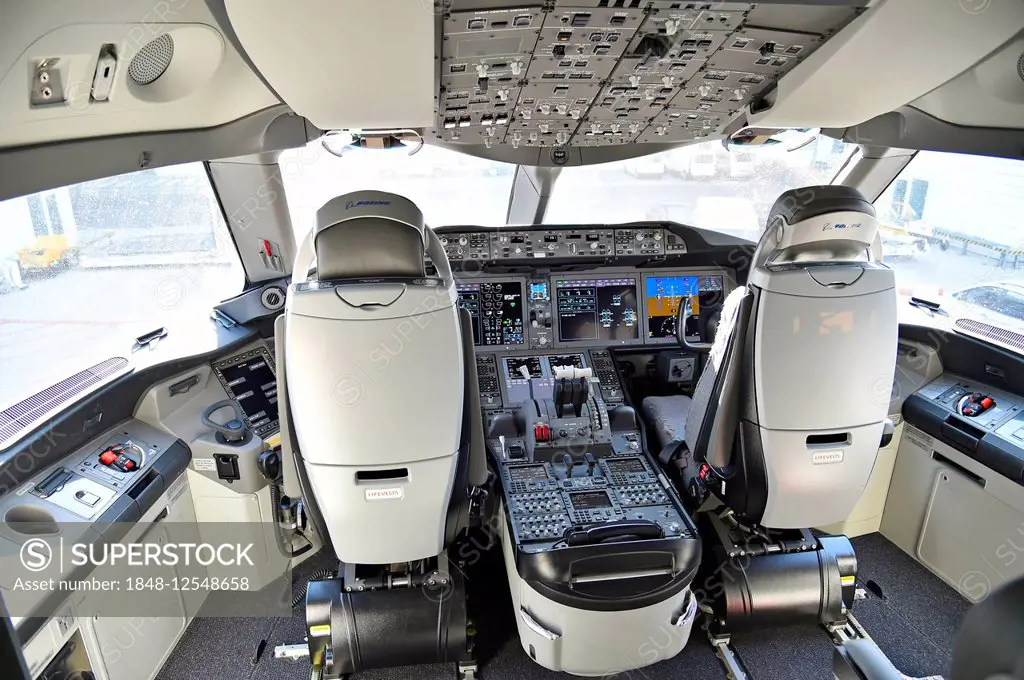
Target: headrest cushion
<point>797,205</point>
<point>368,234</point>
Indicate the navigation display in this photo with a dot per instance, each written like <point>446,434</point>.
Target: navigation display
<point>249,379</point>
<point>497,311</point>
<point>663,294</point>
<point>597,309</point>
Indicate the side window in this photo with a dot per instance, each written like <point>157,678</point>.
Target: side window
<point>950,230</point>
<point>87,268</point>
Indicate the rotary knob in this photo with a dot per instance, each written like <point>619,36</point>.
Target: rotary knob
<point>593,246</point>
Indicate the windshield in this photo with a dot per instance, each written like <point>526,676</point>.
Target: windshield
<point>449,187</point>
<point>951,231</point>
<point>86,269</point>
<point>705,185</point>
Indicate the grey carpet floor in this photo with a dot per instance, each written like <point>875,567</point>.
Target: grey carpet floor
<point>911,614</point>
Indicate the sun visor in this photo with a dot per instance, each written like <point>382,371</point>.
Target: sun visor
<point>344,65</point>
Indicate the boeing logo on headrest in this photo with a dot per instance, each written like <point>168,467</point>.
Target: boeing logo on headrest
<point>358,204</point>
<point>829,226</point>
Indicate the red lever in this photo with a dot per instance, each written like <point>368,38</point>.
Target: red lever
<point>541,432</point>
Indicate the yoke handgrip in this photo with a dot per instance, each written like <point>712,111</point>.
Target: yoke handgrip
<point>634,530</point>
<point>233,431</point>
<point>685,312</point>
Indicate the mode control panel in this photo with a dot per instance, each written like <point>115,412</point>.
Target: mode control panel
<point>471,246</point>
<point>640,241</point>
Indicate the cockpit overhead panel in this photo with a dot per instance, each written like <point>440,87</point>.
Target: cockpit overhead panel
<point>606,72</point>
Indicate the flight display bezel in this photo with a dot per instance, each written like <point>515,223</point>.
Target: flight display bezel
<point>728,283</point>
<point>524,303</point>
<point>272,425</point>
<point>596,276</point>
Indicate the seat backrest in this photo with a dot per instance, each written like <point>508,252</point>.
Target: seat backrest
<point>363,343</point>
<point>800,392</point>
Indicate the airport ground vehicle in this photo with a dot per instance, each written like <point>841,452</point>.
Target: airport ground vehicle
<point>495,416</point>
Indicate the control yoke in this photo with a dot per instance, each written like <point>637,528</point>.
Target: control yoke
<point>234,430</point>
<point>686,312</point>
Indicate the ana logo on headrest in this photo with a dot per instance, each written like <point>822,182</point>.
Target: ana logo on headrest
<point>358,204</point>
<point>829,226</point>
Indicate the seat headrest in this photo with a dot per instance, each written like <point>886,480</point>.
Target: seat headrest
<point>826,223</point>
<point>797,205</point>
<point>368,234</point>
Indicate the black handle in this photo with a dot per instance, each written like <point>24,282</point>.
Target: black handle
<point>599,533</point>
<point>961,434</point>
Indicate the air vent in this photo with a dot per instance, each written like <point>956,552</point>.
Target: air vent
<point>152,60</point>
<point>272,298</point>
<point>29,412</point>
<point>997,336</point>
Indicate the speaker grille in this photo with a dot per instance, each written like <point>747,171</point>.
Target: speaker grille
<point>152,60</point>
<point>1020,65</point>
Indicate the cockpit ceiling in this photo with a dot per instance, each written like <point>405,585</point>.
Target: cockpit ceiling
<point>585,73</point>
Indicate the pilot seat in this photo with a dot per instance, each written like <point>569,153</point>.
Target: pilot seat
<point>382,435</point>
<point>785,422</point>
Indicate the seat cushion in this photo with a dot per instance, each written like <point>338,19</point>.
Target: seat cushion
<point>666,417</point>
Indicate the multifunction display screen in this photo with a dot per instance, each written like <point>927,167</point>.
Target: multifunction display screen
<point>590,500</point>
<point>625,465</point>
<point>597,309</point>
<point>515,365</point>
<point>575,360</point>
<point>664,294</point>
<point>497,311</point>
<point>249,379</point>
<point>527,473</point>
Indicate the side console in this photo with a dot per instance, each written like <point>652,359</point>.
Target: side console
<point>598,549</point>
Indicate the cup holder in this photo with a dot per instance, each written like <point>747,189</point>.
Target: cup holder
<point>31,520</point>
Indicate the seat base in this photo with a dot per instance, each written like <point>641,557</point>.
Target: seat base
<point>666,417</point>
<point>759,578</point>
<point>401,620</point>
